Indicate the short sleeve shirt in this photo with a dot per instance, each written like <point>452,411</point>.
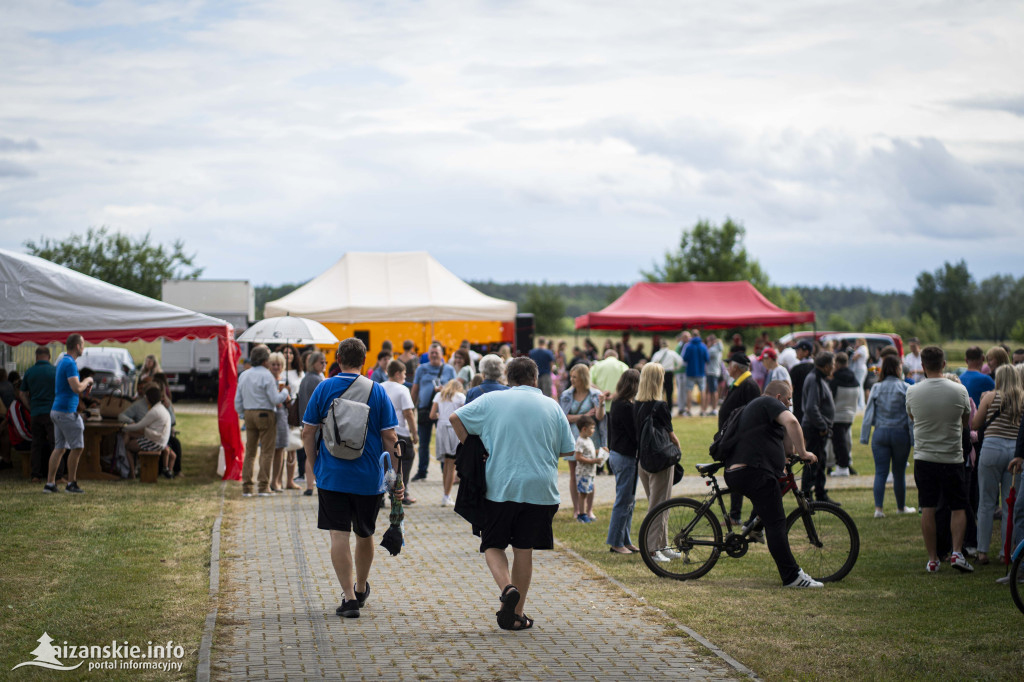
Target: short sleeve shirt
<point>524,433</point>
<point>938,407</point>
<point>585,447</point>
<point>761,444</point>
<point>425,376</point>
<point>363,475</point>
<point>401,400</point>
<point>543,357</point>
<point>65,399</point>
<point>446,408</point>
<point>39,381</point>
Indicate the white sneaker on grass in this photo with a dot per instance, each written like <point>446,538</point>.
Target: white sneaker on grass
<point>671,553</point>
<point>804,580</point>
<point>660,558</point>
<point>907,510</point>
<point>879,514</point>
<point>841,471</point>
<point>957,561</point>
<point>932,566</point>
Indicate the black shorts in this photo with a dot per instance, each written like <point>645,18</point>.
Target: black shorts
<point>347,512</point>
<point>935,480</point>
<point>520,524</point>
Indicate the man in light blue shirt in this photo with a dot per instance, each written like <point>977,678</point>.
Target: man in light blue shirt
<point>524,433</point>
<point>430,377</point>
<point>256,399</point>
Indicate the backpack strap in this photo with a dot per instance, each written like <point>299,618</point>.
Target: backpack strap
<point>359,390</point>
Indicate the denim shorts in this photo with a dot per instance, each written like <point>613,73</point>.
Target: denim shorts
<point>68,430</point>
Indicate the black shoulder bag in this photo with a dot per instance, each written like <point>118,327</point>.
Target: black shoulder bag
<point>655,450</point>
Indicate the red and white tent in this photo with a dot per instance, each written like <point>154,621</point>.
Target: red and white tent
<point>43,302</point>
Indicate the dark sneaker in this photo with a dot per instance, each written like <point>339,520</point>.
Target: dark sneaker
<point>361,596</point>
<point>73,488</point>
<point>308,492</point>
<point>419,477</point>
<point>348,609</point>
<point>50,488</point>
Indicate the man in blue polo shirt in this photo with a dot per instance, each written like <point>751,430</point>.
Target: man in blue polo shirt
<point>524,432</point>
<point>430,377</point>
<point>350,490</point>
<point>68,427</point>
<point>973,379</point>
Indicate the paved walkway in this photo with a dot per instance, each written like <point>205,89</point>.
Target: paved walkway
<point>431,613</point>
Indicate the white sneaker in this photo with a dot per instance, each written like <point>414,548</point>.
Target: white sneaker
<point>841,471</point>
<point>907,510</point>
<point>446,501</point>
<point>888,478</point>
<point>660,558</point>
<point>804,580</point>
<point>879,514</point>
<point>671,553</point>
<point>957,561</point>
<point>932,566</point>
<point>1005,580</point>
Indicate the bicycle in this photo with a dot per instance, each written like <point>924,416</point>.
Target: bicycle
<point>823,537</point>
<point>1017,575</point>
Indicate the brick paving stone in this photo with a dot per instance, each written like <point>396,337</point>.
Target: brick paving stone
<point>431,614</point>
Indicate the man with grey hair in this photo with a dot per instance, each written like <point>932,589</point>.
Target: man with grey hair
<point>256,400</point>
<point>524,433</point>
<point>492,368</point>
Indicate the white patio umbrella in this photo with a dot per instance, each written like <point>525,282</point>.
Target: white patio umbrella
<point>287,329</point>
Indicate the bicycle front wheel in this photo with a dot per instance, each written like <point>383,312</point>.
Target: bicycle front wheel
<point>825,542</point>
<point>1016,575</point>
<point>680,540</point>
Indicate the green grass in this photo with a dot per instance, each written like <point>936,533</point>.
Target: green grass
<point>887,620</point>
<point>124,561</point>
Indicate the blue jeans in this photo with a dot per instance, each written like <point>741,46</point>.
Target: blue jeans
<point>624,469</point>
<point>891,447</point>
<point>993,487</point>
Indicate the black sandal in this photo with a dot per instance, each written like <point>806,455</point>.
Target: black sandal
<point>524,622</point>
<point>507,617</point>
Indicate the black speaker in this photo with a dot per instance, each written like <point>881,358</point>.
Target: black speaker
<point>524,333</point>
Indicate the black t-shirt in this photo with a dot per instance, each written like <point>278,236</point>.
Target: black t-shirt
<point>622,429</point>
<point>660,411</point>
<point>761,441</point>
<point>737,396</point>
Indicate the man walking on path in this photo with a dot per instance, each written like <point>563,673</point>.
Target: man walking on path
<point>939,409</point>
<point>68,427</point>
<point>38,391</point>
<point>351,490</point>
<point>256,400</point>
<point>524,433</point>
<point>430,377</point>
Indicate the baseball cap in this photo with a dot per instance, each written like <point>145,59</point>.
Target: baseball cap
<point>740,359</point>
<point>804,344</point>
<point>768,352</point>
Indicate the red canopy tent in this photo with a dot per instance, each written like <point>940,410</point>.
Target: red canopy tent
<point>670,306</point>
<point>43,302</point>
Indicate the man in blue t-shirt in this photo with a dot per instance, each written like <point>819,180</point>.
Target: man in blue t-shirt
<point>973,379</point>
<point>695,355</point>
<point>68,427</point>
<point>543,358</point>
<point>37,389</point>
<point>430,377</point>
<point>524,433</point>
<point>350,490</point>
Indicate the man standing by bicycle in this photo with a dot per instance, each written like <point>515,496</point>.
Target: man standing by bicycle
<point>767,431</point>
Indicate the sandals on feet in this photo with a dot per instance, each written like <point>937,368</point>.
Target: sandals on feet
<point>523,622</point>
<point>507,617</point>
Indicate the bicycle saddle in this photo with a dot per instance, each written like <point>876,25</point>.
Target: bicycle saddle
<point>707,469</point>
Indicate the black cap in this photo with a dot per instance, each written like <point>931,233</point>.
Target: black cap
<point>804,344</point>
<point>740,359</point>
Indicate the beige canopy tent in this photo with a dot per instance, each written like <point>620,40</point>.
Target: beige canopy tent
<point>398,296</point>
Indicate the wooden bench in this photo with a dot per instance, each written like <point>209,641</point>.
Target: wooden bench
<point>149,466</point>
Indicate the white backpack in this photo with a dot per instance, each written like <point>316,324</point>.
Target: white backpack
<point>344,427</point>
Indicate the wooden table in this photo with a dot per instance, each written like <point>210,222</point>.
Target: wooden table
<point>89,468</point>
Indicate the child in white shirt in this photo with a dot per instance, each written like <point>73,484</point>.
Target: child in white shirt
<point>449,399</point>
<point>586,467</point>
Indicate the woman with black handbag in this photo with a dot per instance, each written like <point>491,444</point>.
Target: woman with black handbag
<point>657,451</point>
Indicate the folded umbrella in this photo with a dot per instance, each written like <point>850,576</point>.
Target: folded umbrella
<point>394,537</point>
<point>1008,547</point>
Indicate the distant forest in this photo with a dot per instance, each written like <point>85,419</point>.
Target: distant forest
<point>854,305</point>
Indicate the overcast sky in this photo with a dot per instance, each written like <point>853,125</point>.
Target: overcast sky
<point>859,143</point>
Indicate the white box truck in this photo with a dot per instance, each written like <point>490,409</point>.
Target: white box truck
<point>191,366</point>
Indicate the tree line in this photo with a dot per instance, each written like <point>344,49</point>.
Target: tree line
<point>947,303</point>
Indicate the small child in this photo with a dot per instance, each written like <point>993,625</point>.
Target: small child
<point>449,399</point>
<point>586,467</point>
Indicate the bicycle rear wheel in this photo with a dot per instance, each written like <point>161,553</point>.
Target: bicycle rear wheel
<point>1016,575</point>
<point>824,542</point>
<point>691,540</point>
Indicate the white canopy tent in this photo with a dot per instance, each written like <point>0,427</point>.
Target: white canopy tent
<point>389,287</point>
<point>43,302</point>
